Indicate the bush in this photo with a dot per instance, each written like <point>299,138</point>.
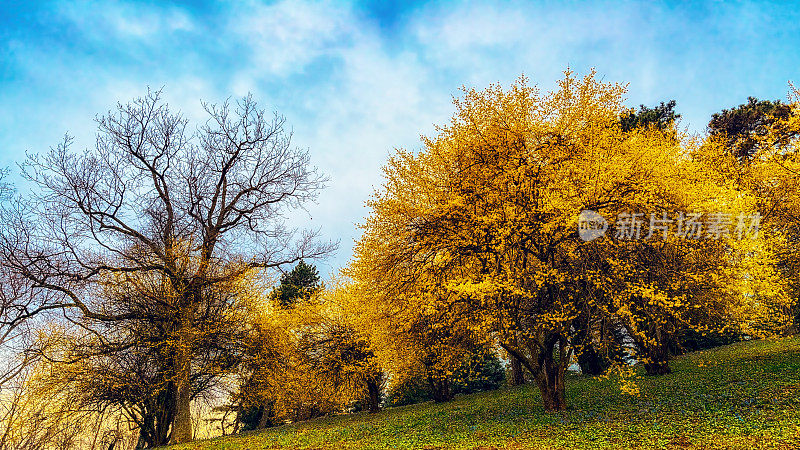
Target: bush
<point>480,371</point>
<point>252,418</point>
<point>691,341</point>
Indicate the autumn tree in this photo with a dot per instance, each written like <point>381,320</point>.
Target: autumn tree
<point>755,148</point>
<point>413,338</point>
<point>485,213</point>
<point>129,365</point>
<point>154,200</point>
<point>339,351</point>
<point>309,360</point>
<point>479,227</point>
<point>668,283</point>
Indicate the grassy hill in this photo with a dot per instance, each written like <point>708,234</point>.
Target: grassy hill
<point>746,395</point>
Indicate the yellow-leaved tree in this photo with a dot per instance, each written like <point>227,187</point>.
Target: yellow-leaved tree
<point>755,150</point>
<point>305,359</point>
<point>479,228</point>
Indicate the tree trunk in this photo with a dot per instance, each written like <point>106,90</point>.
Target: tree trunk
<point>548,371</point>
<point>657,361</point>
<point>552,392</point>
<point>658,368</point>
<point>374,395</point>
<point>549,376</point>
<point>517,376</point>
<point>238,421</point>
<point>263,416</point>
<point>440,389</point>
<point>182,421</point>
<point>657,357</point>
<point>161,414</point>
<point>141,442</point>
<point>590,361</point>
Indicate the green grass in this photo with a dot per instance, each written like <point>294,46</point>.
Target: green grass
<point>744,395</point>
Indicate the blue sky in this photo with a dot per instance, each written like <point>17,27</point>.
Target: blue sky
<point>356,80</point>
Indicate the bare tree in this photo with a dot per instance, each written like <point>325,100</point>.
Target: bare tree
<point>17,307</point>
<point>152,199</point>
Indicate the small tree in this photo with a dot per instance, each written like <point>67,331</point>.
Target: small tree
<point>746,127</point>
<point>299,284</point>
<point>309,360</point>
<point>755,147</point>
<point>662,116</point>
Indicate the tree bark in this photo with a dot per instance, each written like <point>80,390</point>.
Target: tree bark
<point>548,371</point>
<point>182,421</point>
<point>517,376</point>
<point>552,393</point>
<point>263,416</point>
<point>590,361</point>
<point>657,356</point>
<point>374,395</point>
<point>440,389</point>
<point>657,362</point>
<point>549,378</point>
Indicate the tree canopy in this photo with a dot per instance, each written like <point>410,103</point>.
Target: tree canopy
<point>478,229</point>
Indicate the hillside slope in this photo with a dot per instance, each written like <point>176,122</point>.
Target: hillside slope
<point>746,395</point>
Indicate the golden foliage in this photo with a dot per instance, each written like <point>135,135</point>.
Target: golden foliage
<point>477,231</point>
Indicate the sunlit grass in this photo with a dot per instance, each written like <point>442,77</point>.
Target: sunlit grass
<point>744,395</point>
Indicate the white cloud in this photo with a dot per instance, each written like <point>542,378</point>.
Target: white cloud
<point>373,99</point>
<point>284,37</point>
<point>351,117</point>
<point>126,20</point>
<point>350,95</point>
